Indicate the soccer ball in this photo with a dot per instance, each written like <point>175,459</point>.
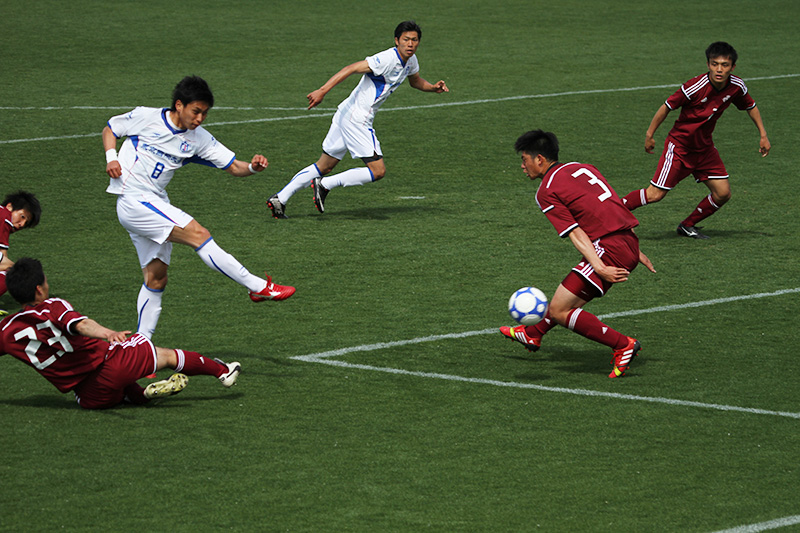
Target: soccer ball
<point>528,305</point>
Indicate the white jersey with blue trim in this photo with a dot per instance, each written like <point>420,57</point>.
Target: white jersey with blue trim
<point>388,72</point>
<point>155,148</point>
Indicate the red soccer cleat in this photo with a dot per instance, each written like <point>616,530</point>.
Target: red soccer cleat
<point>517,333</point>
<point>272,291</point>
<point>622,358</point>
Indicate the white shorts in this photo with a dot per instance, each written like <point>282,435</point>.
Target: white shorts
<point>149,221</point>
<point>345,135</point>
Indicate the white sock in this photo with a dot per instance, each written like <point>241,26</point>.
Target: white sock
<point>301,180</point>
<point>348,178</point>
<point>148,306</point>
<point>218,259</point>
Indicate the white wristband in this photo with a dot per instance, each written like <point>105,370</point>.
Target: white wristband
<point>111,155</point>
<point>250,168</point>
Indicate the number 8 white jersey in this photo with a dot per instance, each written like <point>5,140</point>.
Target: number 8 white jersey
<point>154,149</point>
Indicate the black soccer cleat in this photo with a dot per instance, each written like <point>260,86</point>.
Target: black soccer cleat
<point>278,209</point>
<point>320,193</point>
<point>690,231</point>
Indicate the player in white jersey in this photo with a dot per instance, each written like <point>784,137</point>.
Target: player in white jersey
<point>158,142</point>
<point>351,128</point>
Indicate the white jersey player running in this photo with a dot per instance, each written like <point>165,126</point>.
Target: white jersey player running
<point>351,128</point>
<point>158,142</point>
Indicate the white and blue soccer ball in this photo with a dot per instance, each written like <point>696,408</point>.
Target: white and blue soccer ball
<point>527,306</point>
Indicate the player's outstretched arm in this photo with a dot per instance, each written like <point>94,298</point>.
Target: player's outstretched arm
<point>243,168</point>
<point>89,328</point>
<point>113,169</point>
<point>5,262</point>
<point>421,84</point>
<point>649,136</point>
<point>315,97</point>
<point>584,245</point>
<point>763,144</point>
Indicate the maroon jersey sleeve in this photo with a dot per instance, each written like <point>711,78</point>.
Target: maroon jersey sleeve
<point>43,336</point>
<point>577,195</point>
<point>742,100</point>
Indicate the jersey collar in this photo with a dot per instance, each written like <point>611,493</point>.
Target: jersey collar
<point>396,51</point>
<point>167,122</point>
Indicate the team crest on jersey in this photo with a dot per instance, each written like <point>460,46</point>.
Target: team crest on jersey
<point>727,97</point>
<point>185,147</point>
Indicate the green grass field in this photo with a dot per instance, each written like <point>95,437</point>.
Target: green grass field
<point>379,397</point>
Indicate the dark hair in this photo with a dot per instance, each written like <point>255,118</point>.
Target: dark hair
<point>22,279</point>
<point>721,49</point>
<point>25,200</point>
<point>192,89</point>
<point>538,142</point>
<point>407,25</point>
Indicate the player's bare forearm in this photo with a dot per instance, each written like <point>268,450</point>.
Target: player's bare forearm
<point>764,145</point>
<point>5,262</point>
<point>584,245</point>
<point>421,84</point>
<point>113,168</point>
<point>89,328</point>
<point>658,119</point>
<point>315,97</point>
<point>241,169</point>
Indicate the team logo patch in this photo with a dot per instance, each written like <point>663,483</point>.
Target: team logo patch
<point>185,146</point>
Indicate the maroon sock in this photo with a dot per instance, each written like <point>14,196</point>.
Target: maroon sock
<point>704,209</point>
<point>3,282</point>
<point>134,393</point>
<point>542,327</point>
<point>588,325</point>
<point>194,364</point>
<point>635,199</point>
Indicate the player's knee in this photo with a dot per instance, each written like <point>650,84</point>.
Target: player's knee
<point>156,283</point>
<point>378,174</point>
<point>654,194</point>
<point>559,315</point>
<point>324,170</point>
<point>721,198</point>
<point>198,235</point>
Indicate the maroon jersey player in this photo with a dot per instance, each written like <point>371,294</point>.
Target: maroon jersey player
<point>19,210</point>
<point>581,205</point>
<point>75,353</point>
<point>689,148</point>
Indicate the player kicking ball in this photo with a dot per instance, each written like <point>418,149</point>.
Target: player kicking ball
<point>581,205</point>
<point>351,128</point>
<point>158,142</point>
<point>75,353</point>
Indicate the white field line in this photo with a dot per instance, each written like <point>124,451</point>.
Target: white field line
<point>327,358</point>
<point>329,113</point>
<point>764,526</point>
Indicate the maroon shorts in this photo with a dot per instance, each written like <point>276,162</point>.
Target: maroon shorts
<point>124,364</point>
<point>619,249</point>
<point>675,164</point>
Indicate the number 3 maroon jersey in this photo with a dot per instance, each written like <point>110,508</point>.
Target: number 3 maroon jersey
<point>44,337</point>
<point>574,194</point>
